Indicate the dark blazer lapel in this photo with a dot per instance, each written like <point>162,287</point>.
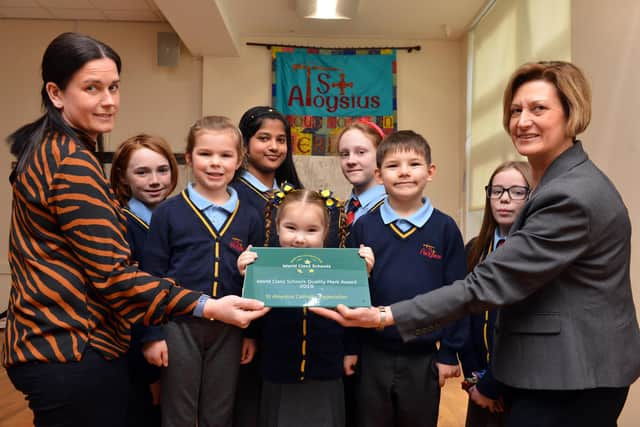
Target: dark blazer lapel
<point>564,163</point>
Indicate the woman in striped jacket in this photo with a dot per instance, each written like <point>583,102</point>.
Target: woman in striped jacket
<point>74,292</point>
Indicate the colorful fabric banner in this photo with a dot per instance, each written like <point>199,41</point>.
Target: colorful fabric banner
<point>321,91</point>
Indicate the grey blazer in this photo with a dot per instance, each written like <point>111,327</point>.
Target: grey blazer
<point>568,319</point>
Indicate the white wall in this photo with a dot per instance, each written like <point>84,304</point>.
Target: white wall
<point>606,45</point>
<point>508,36</point>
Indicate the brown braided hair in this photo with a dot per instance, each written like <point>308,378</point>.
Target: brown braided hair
<point>269,207</point>
<point>343,228</point>
<point>304,196</point>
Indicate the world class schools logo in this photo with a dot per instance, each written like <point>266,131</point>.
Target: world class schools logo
<point>306,264</point>
<point>319,82</point>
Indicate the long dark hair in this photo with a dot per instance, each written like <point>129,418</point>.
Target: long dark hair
<point>64,56</point>
<point>251,122</point>
<point>489,224</point>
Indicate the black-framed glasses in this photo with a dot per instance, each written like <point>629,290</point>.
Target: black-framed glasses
<point>515,192</point>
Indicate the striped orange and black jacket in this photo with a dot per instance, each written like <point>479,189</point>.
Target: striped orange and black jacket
<point>73,285</point>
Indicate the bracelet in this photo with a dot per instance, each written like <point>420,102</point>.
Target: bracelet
<point>211,319</point>
<point>199,310</point>
<point>383,318</point>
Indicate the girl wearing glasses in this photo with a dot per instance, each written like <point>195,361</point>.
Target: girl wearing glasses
<point>507,193</point>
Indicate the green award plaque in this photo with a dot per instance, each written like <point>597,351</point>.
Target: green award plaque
<point>307,277</point>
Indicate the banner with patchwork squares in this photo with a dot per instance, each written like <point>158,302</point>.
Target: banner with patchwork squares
<point>321,91</point>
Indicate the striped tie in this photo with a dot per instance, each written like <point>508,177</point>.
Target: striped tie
<point>351,210</point>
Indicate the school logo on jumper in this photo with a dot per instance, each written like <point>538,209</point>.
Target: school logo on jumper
<point>237,244</point>
<point>306,264</point>
<point>430,252</point>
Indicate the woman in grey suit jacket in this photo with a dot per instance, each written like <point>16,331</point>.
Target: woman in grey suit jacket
<point>567,342</point>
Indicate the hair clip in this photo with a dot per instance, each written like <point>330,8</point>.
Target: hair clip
<point>287,187</point>
<point>261,112</point>
<point>329,200</point>
<point>373,126</point>
<point>279,195</point>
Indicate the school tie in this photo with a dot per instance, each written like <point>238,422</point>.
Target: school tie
<point>500,242</point>
<point>351,210</point>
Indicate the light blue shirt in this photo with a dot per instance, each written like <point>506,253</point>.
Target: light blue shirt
<point>497,237</point>
<point>368,199</point>
<point>418,219</point>
<point>217,214</point>
<point>256,182</point>
<point>140,210</point>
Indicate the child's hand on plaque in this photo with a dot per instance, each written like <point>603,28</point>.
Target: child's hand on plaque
<point>366,253</point>
<point>246,258</point>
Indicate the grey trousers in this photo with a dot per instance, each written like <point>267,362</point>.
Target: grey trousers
<point>199,385</point>
<point>313,403</point>
<point>397,390</point>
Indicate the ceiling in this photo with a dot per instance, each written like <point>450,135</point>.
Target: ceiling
<point>215,27</point>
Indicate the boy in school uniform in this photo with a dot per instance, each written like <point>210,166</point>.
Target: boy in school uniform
<point>417,249</point>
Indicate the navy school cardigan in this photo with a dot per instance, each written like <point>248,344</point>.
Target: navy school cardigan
<point>184,245</point>
<point>137,231</point>
<point>297,345</point>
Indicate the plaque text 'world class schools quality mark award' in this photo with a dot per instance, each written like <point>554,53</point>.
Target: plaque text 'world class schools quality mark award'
<point>307,277</point>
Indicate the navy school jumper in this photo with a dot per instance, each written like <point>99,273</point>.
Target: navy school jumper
<point>137,230</point>
<point>139,369</point>
<point>141,411</point>
<point>297,345</point>
<point>408,264</point>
